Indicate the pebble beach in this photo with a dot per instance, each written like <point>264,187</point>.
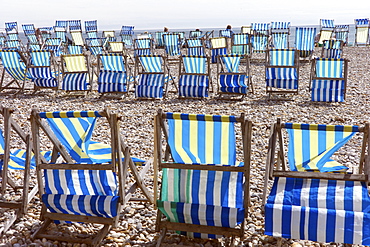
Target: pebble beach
<point>137,221</point>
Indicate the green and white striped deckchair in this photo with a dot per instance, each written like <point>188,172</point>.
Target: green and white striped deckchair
<point>241,44</point>
<point>204,189</point>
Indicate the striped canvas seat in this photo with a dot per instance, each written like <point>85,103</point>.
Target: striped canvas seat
<point>226,33</point>
<point>13,44</point>
<point>329,80</point>
<point>117,47</point>
<point>96,50</point>
<point>75,49</point>
<point>194,81</point>
<point>362,31</point>
<point>143,46</point>
<point>259,43</point>
<point>280,34</point>
<point>202,198</point>
<point>332,49</point>
<point>218,48</point>
<point>172,44</point>
<point>53,44</point>
<point>341,33</point>
<point>305,41</point>
<point>77,38</point>
<point>159,42</point>
<point>326,30</point>
<point>241,44</point>
<point>41,71</point>
<point>319,210</point>
<point>195,47</point>
<point>113,75</point>
<point>195,34</point>
<point>76,73</point>
<point>127,32</point>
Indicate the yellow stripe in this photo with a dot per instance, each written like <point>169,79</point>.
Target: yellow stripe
<point>178,142</point>
<point>298,155</point>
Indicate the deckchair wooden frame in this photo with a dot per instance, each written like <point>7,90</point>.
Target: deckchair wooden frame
<point>119,149</point>
<point>163,160</point>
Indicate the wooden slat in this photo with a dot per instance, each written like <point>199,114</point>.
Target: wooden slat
<point>74,166</point>
<point>321,175</point>
<point>204,167</point>
<point>79,218</point>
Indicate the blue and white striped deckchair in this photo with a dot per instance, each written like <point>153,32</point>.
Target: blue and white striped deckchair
<point>143,46</point>
<point>75,73</point>
<point>282,71</point>
<point>34,47</point>
<point>159,43</point>
<point>341,33</point>
<point>260,28</point>
<point>241,44</point>
<point>323,206</point>
<point>75,49</point>
<point>362,31</point>
<point>13,44</point>
<point>326,30</point>
<point>60,30</point>
<point>227,33</point>
<point>195,47</point>
<point>41,71</point>
<point>74,25</point>
<point>260,33</point>
<point>55,45</point>
<point>194,76</point>
<point>30,32</point>
<point>113,77</point>
<point>218,48</point>
<point>127,33</point>
<point>231,79</point>
<point>96,50</point>
<point>195,34</point>
<point>193,195</point>
<point>332,49</point>
<point>91,26</point>
<point>153,76</point>
<point>280,34</point>
<point>172,44</point>
<point>11,29</point>
<point>45,32</point>
<point>108,36</point>
<point>305,41</point>
<point>329,79</point>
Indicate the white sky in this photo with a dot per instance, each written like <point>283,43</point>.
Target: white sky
<point>155,14</point>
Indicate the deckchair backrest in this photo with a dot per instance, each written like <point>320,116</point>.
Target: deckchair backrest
<point>195,64</point>
<point>143,43</point>
<point>117,46</point>
<point>226,33</point>
<point>195,34</point>
<point>127,30</point>
<point>53,41</point>
<point>329,24</point>
<point>61,35</point>
<point>113,62</point>
<point>194,43</point>
<point>13,37</point>
<point>262,28</point>
<point>13,44</point>
<point>40,57</point>
<point>75,49</point>
<point>75,63</point>
<point>280,26</point>
<point>231,62</point>
<point>282,57</point>
<point>74,25</point>
<point>241,39</point>
<point>91,26</point>
<point>108,34</point>
<point>159,38</point>
<point>77,38</point>
<point>245,29</point>
<point>92,35</point>
<point>28,29</point>
<point>362,22</point>
<point>305,38</point>
<point>329,68</point>
<point>172,43</point>
<point>151,63</point>
<point>11,59</point>
<point>219,42</point>
<point>203,139</point>
<point>96,50</point>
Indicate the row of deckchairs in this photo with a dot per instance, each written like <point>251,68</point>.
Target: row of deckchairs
<point>204,173</point>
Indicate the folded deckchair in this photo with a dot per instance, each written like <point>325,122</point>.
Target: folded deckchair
<point>305,41</point>
<point>282,71</point>
<point>326,30</point>
<point>87,184</point>
<point>204,189</point>
<point>328,205</point>
<point>218,48</point>
<point>195,77</point>
<point>195,47</point>
<point>172,44</point>
<point>43,69</point>
<point>15,159</point>
<point>241,44</point>
<point>14,44</point>
<point>328,79</point>
<point>74,25</point>
<point>76,73</point>
<point>362,31</point>
<point>153,76</point>
<point>114,73</point>
<point>143,46</point>
<point>280,34</point>
<point>233,77</point>
<point>91,26</point>
<point>341,33</point>
<point>332,49</point>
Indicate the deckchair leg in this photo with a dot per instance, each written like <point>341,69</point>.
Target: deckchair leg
<point>99,237</point>
<point>42,229</point>
<point>161,237</point>
<point>9,223</point>
<point>232,244</point>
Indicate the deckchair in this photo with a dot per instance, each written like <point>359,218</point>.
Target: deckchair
<point>11,29</point>
<point>195,47</point>
<point>246,29</point>
<point>328,79</point>
<point>260,37</point>
<point>233,77</point>
<point>195,34</point>
<point>282,71</point>
<point>241,44</point>
<point>108,36</point>
<point>45,33</point>
<point>204,190</point>
<point>75,49</point>
<point>60,30</point>
<point>195,77</point>
<point>55,45</point>
<point>14,44</point>
<point>218,48</point>
<point>15,159</point>
<point>74,25</point>
<point>75,30</point>
<point>33,47</point>
<point>153,76</point>
<point>15,64</point>
<point>159,43</point>
<point>227,33</point>
<point>114,75</point>
<point>143,46</point>
<point>30,32</point>
<point>116,47</point>
<point>341,33</point>
<point>44,70</point>
<point>305,41</point>
<point>280,34</point>
<point>87,184</point>
<point>326,30</point>
<point>172,44</point>
<point>362,31</point>
<point>332,49</point>
<point>76,73</point>
<point>328,204</point>
<point>127,33</point>
<point>91,26</point>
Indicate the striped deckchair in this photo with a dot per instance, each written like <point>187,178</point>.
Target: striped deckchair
<point>362,31</point>
<point>11,29</point>
<point>195,76</point>
<point>14,44</point>
<point>172,44</point>
<point>227,33</point>
<point>153,76</point>
<point>328,79</point>
<point>143,46</point>
<point>241,44</point>
<point>218,48</point>
<point>15,159</point>
<point>117,47</point>
<point>232,78</point>
<point>127,33</point>
<point>326,30</point>
<point>75,49</point>
<point>305,41</point>
<point>87,185</point>
<point>332,49</point>
<point>43,70</point>
<point>280,34</point>
<point>204,187</point>
<point>96,50</point>
<point>75,73</point>
<point>341,33</point>
<point>55,45</point>
<point>30,32</point>
<point>2,40</point>
<point>282,71</point>
<point>246,29</point>
<point>195,34</point>
<point>60,30</point>
<point>74,25</point>
<point>260,37</point>
<point>108,36</point>
<point>159,42</point>
<point>33,47</point>
<point>77,38</point>
<point>323,206</point>
<point>91,26</point>
<point>195,47</point>
<point>114,73</point>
